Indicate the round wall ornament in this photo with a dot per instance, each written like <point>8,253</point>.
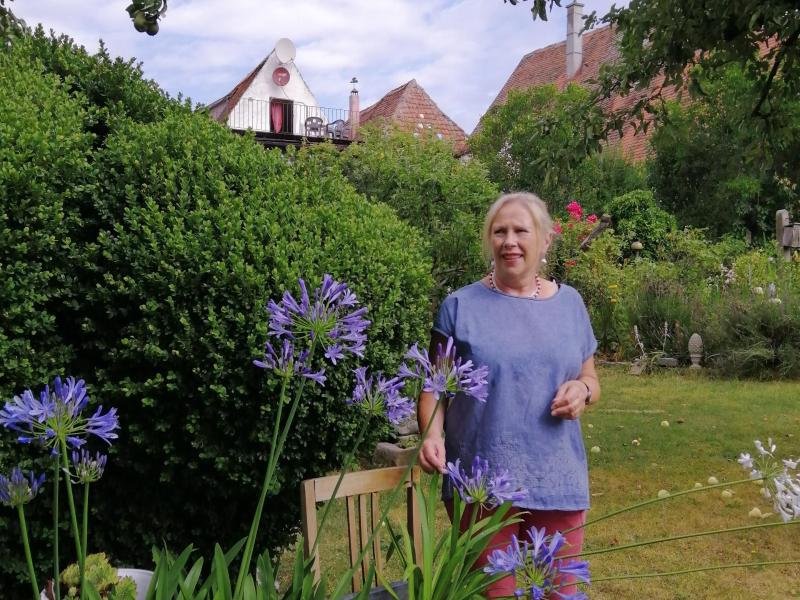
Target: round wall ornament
<point>280,76</point>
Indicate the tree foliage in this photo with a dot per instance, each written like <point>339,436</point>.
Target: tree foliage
<point>668,36</point>
<point>715,166</point>
<point>439,195</point>
<point>538,137</point>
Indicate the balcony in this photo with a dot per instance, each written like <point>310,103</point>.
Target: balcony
<point>284,118</point>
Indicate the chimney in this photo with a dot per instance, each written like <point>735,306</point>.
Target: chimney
<point>354,109</point>
<point>574,39</point>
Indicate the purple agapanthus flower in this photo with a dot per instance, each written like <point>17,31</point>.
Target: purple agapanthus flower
<point>379,396</point>
<point>488,487</point>
<point>537,570</point>
<point>88,468</point>
<point>58,415</point>
<point>446,375</point>
<point>331,318</point>
<point>288,362</point>
<point>17,489</point>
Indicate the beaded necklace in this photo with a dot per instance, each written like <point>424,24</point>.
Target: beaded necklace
<point>533,296</point>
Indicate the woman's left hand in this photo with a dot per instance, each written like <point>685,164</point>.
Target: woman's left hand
<point>570,401</point>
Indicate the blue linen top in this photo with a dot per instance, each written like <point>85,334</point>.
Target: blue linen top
<point>531,347</point>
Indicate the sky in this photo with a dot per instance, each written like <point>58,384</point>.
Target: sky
<point>460,51</point>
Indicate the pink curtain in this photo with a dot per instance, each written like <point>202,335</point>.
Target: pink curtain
<point>276,112</point>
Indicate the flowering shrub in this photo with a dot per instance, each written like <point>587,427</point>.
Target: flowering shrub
<point>570,233</point>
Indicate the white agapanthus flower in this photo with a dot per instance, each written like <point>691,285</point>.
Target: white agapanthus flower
<point>781,483</point>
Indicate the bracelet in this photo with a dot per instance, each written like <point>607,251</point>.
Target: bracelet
<point>588,399</point>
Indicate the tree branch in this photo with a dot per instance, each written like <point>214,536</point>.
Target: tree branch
<point>790,41</point>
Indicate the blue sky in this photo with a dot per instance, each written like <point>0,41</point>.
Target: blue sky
<point>460,51</point>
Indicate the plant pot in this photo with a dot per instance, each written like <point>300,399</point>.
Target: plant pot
<point>141,577</point>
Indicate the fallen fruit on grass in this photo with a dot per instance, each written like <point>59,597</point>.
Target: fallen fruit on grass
<point>755,513</point>
<point>663,493</point>
<point>595,450</point>
<point>727,494</point>
<point>665,423</point>
<point>713,480</point>
<point>697,485</point>
<point>635,442</point>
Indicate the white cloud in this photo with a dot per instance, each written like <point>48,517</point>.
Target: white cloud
<point>460,51</point>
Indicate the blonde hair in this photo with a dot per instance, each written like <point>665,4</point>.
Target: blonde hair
<point>542,222</point>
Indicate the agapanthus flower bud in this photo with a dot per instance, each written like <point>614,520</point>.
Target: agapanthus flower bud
<point>379,396</point>
<point>17,489</point>
<point>484,486</point>
<point>88,468</point>
<point>446,375</point>
<point>289,362</point>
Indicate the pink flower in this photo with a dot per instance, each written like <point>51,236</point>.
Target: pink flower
<point>575,210</point>
<point>591,218</point>
<point>557,229</point>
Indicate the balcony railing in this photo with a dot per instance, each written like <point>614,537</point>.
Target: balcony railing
<point>284,116</point>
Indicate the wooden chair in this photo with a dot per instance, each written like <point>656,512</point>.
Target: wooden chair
<point>361,491</point>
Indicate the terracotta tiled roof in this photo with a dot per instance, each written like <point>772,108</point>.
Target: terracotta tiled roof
<point>549,65</point>
<point>410,107</point>
<point>220,109</point>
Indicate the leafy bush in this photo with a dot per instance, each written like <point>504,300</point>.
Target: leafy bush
<point>600,178</point>
<point>750,336</point>
<point>636,216</point>
<point>660,305</point>
<point>599,277</point>
<point>444,198</point>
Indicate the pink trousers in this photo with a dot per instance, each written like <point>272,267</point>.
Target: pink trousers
<point>551,520</point>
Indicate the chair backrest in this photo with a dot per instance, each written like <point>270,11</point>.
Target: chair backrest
<point>361,491</point>
<point>314,125</point>
<point>336,128</point>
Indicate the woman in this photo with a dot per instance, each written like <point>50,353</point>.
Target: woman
<point>536,339</point>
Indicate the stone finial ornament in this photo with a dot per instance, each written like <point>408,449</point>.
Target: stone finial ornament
<point>695,350</point>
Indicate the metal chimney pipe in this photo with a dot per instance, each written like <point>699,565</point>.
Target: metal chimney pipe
<point>574,39</point>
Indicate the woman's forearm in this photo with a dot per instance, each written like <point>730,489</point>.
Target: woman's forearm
<point>425,410</point>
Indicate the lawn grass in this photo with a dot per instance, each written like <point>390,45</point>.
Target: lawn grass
<point>710,423</point>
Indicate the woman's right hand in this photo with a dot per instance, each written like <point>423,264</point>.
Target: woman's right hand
<point>432,455</point>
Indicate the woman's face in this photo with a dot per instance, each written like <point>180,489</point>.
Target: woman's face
<point>516,247</point>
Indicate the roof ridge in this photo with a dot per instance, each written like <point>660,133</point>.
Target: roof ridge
<point>563,42</point>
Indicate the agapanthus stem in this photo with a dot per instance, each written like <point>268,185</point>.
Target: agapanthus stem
<point>23,528</point>
<point>272,461</point>
<point>84,537</point>
<point>596,580</point>
<point>347,460</point>
<point>56,568</point>
<point>675,538</point>
<point>345,579</point>
<point>73,515</point>
<point>655,500</point>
